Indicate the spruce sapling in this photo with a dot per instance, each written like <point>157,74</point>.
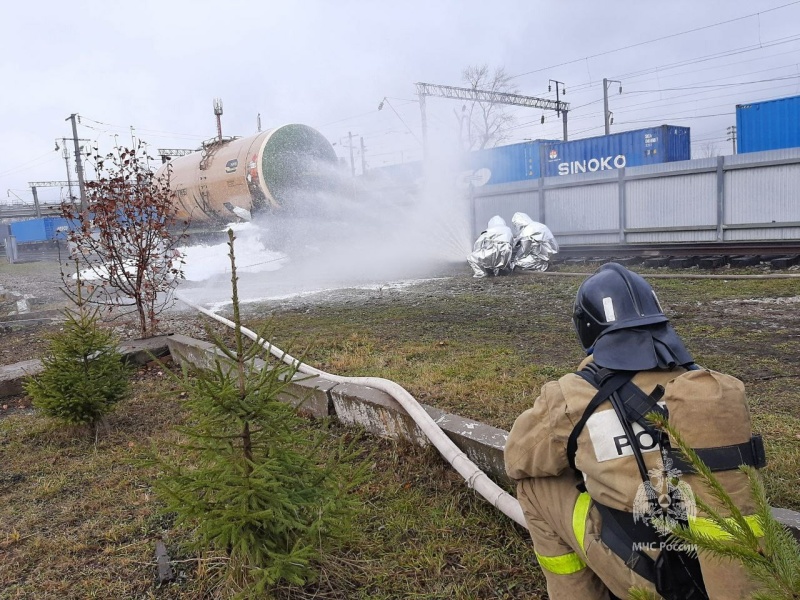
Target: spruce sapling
<point>84,374</point>
<point>248,481</point>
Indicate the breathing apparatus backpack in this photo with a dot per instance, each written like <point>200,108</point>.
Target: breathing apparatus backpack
<point>688,401</point>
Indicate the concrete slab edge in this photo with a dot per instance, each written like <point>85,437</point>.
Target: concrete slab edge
<point>135,352</point>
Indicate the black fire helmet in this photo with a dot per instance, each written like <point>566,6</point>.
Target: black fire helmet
<point>619,320</point>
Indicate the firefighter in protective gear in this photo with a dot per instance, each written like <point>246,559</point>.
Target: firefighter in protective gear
<point>493,250</point>
<point>585,465</point>
<point>534,243</point>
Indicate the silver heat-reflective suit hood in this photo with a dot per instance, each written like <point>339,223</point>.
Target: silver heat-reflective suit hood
<point>492,251</point>
<point>534,243</point>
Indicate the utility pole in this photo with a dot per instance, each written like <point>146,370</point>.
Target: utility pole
<point>559,109</point>
<point>350,145</point>
<point>36,201</point>
<point>69,176</point>
<point>607,113</point>
<point>732,136</point>
<point>78,161</point>
<point>363,158</point>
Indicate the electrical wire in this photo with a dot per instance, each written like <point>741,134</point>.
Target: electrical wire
<point>658,39</point>
<point>715,86</point>
<point>23,167</point>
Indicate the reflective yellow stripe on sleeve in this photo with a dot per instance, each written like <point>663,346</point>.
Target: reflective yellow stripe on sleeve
<point>707,527</point>
<point>579,515</point>
<point>566,564</point>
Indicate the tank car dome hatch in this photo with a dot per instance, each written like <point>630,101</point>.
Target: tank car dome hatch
<point>253,174</point>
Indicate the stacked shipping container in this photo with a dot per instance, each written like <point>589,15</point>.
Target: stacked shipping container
<point>528,160</point>
<point>518,162</point>
<point>768,125</point>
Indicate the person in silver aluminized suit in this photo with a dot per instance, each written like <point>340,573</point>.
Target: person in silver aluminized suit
<point>534,244</point>
<point>493,249</point>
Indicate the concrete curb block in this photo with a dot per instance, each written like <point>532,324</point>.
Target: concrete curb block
<point>136,352</point>
<point>12,376</point>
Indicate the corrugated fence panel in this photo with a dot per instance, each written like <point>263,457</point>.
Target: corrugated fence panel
<point>578,209</point>
<point>772,233</point>
<point>672,167</point>
<point>682,201</point>
<point>670,198</point>
<point>763,195</point>
<point>504,205</point>
<point>672,202</point>
<point>581,179</point>
<point>766,155</point>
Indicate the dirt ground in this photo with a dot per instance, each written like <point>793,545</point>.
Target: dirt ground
<point>748,328</point>
<point>712,310</point>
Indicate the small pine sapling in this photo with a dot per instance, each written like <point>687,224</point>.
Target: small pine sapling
<point>248,481</point>
<point>84,374</point>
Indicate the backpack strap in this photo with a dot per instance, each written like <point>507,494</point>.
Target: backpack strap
<point>613,381</point>
<point>621,533</point>
<point>630,402</point>
<point>727,458</point>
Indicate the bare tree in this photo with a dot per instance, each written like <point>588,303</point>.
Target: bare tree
<point>128,238</point>
<point>709,150</point>
<point>487,123</point>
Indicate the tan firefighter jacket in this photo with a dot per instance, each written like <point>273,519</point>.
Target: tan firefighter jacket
<point>708,409</point>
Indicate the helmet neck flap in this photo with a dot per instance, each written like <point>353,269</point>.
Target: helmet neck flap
<point>619,320</point>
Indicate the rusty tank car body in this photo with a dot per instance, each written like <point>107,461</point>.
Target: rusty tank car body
<point>257,174</point>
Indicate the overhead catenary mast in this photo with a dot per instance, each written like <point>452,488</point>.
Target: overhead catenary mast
<point>469,94</point>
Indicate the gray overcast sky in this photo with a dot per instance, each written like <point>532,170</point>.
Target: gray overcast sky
<point>157,66</point>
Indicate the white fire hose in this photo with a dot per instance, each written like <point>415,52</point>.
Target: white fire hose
<point>475,478</point>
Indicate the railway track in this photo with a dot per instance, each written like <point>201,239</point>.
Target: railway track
<point>780,254</point>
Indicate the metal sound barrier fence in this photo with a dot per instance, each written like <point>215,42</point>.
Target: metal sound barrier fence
<point>743,197</point>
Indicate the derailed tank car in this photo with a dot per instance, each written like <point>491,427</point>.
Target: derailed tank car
<point>255,174</point>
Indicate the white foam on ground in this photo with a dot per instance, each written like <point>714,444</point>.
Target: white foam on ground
<point>205,261</point>
<point>392,285</point>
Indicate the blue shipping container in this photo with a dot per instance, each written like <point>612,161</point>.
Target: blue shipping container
<point>504,164</point>
<point>768,125</point>
<point>37,230</point>
<point>518,162</point>
<point>31,230</point>
<point>651,146</point>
